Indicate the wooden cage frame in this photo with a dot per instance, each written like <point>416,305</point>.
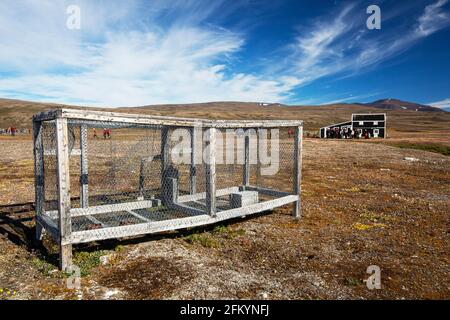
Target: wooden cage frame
<point>58,223</point>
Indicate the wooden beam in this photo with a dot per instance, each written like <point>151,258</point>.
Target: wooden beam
<point>84,172</point>
<point>298,140</point>
<point>48,115</point>
<point>39,180</point>
<point>49,226</point>
<point>202,195</point>
<point>174,224</point>
<point>136,205</point>
<point>65,223</point>
<point>186,209</point>
<point>107,208</point>
<point>195,132</point>
<point>259,138</point>
<point>96,221</point>
<point>142,218</point>
<point>267,191</point>
<point>169,121</point>
<point>164,161</point>
<point>211,172</point>
<point>246,170</point>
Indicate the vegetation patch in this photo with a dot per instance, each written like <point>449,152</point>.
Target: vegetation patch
<point>87,261</point>
<point>350,281</point>
<point>376,218</point>
<point>228,232</point>
<point>213,239</point>
<point>362,226</point>
<point>430,147</point>
<point>205,239</point>
<point>45,267</point>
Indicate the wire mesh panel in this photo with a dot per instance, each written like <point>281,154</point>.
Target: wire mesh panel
<point>127,175</point>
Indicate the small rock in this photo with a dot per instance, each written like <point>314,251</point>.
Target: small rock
<point>410,159</point>
<point>104,260</point>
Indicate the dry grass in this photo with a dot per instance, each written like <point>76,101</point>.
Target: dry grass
<point>363,204</point>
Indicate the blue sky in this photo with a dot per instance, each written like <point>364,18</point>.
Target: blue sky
<point>130,53</point>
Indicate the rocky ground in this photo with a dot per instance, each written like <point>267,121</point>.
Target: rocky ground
<point>363,204</point>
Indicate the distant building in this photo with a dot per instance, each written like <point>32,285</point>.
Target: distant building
<point>372,123</point>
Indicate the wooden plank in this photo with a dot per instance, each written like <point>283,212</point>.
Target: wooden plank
<point>49,225</point>
<point>161,120</point>
<point>144,162</point>
<point>259,139</point>
<point>39,180</point>
<point>267,191</point>
<point>135,205</point>
<point>298,140</point>
<point>202,195</point>
<point>186,209</point>
<point>174,121</point>
<point>174,224</point>
<point>137,215</point>
<point>96,221</point>
<point>164,161</point>
<point>107,208</point>
<point>65,223</point>
<point>246,172</point>
<point>211,172</point>
<point>52,152</point>
<point>193,169</point>
<point>47,115</point>
<point>84,172</point>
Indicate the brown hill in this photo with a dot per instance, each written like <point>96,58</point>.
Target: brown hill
<point>395,104</point>
<point>401,122</point>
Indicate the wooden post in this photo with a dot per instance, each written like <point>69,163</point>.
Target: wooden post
<point>141,179</point>
<point>39,180</point>
<point>211,172</point>
<point>193,169</point>
<point>298,140</point>
<point>84,177</point>
<point>259,133</point>
<point>164,160</point>
<point>65,223</point>
<point>246,173</point>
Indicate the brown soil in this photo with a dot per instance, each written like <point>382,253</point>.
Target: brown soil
<point>363,205</point>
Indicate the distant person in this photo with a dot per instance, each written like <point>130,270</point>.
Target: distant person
<point>290,132</point>
<point>105,133</point>
<point>95,133</point>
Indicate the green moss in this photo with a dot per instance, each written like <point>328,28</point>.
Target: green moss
<point>44,266</point>
<point>228,232</point>
<point>430,147</point>
<point>214,238</point>
<point>204,239</point>
<point>350,281</point>
<point>87,261</point>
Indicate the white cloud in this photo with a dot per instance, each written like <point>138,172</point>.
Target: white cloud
<point>342,45</point>
<point>136,53</point>
<point>440,104</point>
<point>125,65</point>
<point>433,19</point>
